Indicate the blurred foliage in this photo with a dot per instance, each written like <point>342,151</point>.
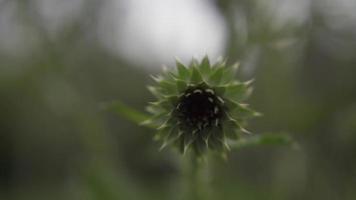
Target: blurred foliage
<point>56,144</point>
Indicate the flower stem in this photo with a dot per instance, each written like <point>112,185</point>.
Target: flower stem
<point>197,179</point>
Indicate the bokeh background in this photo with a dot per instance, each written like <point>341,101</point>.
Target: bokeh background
<point>60,59</point>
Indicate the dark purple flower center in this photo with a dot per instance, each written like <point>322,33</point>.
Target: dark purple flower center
<point>199,108</point>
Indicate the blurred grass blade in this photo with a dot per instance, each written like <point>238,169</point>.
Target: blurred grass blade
<point>265,140</point>
<point>125,111</point>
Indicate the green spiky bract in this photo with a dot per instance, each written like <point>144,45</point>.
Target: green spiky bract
<point>200,106</point>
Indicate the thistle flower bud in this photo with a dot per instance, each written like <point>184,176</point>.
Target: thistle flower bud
<point>199,106</point>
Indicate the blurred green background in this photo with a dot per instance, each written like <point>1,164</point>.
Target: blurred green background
<point>60,59</point>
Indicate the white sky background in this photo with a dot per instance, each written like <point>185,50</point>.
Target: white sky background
<point>153,32</point>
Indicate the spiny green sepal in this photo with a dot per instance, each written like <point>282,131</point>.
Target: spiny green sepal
<point>199,107</point>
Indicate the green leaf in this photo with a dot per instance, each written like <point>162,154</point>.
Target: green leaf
<point>216,144</point>
<point>154,109</point>
<point>173,100</point>
<point>199,147</point>
<point>215,78</point>
<point>241,110</point>
<point>189,138</point>
<point>265,140</point>
<point>164,104</point>
<point>230,73</point>
<point>183,71</point>
<point>167,88</point>
<point>221,62</point>
<point>232,105</point>
<point>167,103</point>
<point>181,86</point>
<point>194,63</point>
<point>229,129</point>
<point>180,144</point>
<point>235,89</point>
<point>220,90</point>
<point>155,91</point>
<point>205,66</point>
<point>238,91</point>
<point>236,124</point>
<point>157,79</point>
<point>168,75</point>
<point>205,134</point>
<point>125,111</point>
<point>162,131</point>
<point>171,136</point>
<point>156,120</point>
<point>196,76</point>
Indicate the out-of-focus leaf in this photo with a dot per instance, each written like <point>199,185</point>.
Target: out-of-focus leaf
<point>125,111</point>
<point>265,140</point>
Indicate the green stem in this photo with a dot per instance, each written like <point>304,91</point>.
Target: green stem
<point>197,179</point>
<point>196,192</point>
